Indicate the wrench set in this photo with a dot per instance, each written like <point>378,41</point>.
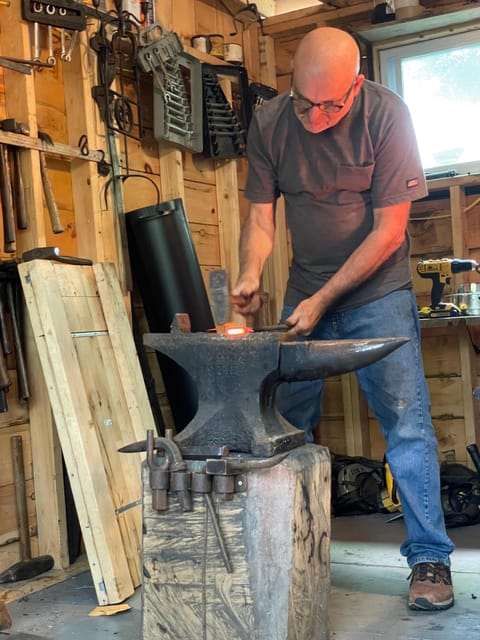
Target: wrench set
<point>225,126</point>
<point>65,15</point>
<point>181,84</point>
<point>177,94</point>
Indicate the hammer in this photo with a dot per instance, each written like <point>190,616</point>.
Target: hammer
<point>53,253</point>
<point>57,226</point>
<point>10,124</point>
<point>6,197</point>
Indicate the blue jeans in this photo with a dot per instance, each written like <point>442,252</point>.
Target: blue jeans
<point>397,393</point>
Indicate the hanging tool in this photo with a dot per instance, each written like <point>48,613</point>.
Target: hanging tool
<point>440,271</point>
<point>5,349</point>
<point>16,443</point>
<point>53,253</point>
<point>51,54</point>
<point>55,222</point>
<point>6,197</point>
<point>11,125</point>
<point>28,567</point>
<point>14,309</point>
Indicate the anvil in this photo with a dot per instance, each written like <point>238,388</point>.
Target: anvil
<point>236,380</point>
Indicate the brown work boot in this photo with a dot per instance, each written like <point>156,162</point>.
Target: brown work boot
<point>430,587</point>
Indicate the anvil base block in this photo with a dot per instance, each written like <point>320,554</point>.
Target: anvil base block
<point>277,539</point>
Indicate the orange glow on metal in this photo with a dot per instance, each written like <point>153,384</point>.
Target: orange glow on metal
<point>237,332</point>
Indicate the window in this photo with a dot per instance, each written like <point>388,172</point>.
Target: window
<point>439,79</point>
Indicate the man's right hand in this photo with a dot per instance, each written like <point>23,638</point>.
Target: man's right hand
<point>245,297</point>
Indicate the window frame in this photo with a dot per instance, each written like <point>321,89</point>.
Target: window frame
<point>426,41</point>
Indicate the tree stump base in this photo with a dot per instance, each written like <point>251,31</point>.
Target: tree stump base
<point>272,577</point>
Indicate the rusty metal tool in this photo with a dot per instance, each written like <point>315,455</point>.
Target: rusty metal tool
<point>53,253</point>
<point>55,222</point>
<point>16,444</point>
<point>6,196</point>
<point>5,349</point>
<point>23,387</point>
<point>20,206</point>
<point>189,453</point>
<point>28,567</point>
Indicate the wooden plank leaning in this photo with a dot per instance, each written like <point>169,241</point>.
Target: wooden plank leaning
<point>99,402</point>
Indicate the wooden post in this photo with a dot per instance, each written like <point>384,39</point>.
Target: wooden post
<point>270,581</point>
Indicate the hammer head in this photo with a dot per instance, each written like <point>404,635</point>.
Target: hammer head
<point>10,124</point>
<point>44,253</point>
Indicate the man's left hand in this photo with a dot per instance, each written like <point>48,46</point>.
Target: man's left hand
<point>305,316</point>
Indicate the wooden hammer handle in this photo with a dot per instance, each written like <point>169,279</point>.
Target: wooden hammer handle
<point>57,226</point>
<point>6,197</point>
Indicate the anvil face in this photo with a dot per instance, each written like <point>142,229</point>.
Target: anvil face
<point>236,381</point>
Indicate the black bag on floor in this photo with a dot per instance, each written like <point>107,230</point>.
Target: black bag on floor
<point>356,484</point>
<point>460,491</point>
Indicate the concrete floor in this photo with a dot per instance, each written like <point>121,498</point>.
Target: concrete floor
<point>367,600</point>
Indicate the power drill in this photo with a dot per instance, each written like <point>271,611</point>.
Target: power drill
<point>441,271</point>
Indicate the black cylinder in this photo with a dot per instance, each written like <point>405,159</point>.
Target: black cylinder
<point>168,277</point>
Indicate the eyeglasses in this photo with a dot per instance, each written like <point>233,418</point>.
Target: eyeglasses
<point>302,105</point>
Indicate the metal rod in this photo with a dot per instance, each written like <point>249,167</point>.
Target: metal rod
<point>218,533</point>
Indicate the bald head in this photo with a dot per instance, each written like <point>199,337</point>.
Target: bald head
<point>328,58</point>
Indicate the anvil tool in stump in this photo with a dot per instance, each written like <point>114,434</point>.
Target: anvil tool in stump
<point>236,380</point>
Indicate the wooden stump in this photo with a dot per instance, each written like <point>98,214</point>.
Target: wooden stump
<point>277,541</point>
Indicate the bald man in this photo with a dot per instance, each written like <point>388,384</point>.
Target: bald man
<point>342,151</point>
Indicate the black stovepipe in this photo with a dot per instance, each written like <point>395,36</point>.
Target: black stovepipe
<point>169,280</point>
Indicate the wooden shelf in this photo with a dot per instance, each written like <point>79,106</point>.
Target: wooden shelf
<point>57,148</point>
<point>454,321</point>
<point>418,25</point>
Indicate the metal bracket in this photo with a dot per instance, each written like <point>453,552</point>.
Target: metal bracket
<point>65,14</point>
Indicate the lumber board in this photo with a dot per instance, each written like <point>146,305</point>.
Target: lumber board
<point>277,538</point>
<point>99,402</point>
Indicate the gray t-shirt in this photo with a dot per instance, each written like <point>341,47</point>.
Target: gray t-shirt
<point>331,182</point>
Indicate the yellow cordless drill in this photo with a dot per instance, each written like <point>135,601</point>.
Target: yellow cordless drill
<point>440,271</point>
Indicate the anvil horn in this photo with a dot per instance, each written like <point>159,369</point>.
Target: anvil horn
<point>322,359</point>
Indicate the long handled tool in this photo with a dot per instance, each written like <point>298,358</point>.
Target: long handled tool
<point>28,567</point>
<point>6,196</point>
<point>57,226</point>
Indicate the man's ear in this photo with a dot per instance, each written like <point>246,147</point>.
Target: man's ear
<point>358,83</point>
